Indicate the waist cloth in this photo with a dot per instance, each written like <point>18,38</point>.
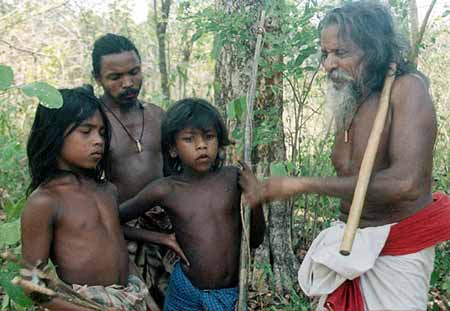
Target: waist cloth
<point>182,295</point>
<point>129,298</point>
<point>389,267</point>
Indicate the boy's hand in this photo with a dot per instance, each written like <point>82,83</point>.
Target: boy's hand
<point>253,189</point>
<point>172,243</point>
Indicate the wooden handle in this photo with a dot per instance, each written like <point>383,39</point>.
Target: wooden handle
<point>367,164</point>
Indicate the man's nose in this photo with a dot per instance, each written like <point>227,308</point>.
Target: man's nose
<point>127,82</point>
<point>330,63</point>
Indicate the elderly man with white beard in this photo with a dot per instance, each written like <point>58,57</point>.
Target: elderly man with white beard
<point>393,252</point>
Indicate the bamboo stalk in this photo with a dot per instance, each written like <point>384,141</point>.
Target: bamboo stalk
<point>245,211</point>
<point>368,161</point>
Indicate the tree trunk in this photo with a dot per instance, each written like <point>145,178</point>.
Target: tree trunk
<point>161,28</point>
<point>416,34</point>
<point>232,73</point>
<point>279,214</point>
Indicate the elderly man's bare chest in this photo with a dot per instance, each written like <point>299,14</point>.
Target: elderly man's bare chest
<point>351,143</point>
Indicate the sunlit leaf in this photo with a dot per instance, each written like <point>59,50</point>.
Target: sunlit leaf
<point>10,233</point>
<point>6,77</point>
<point>14,292</point>
<point>47,94</point>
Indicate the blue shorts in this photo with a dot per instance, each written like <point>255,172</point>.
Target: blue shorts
<point>181,295</point>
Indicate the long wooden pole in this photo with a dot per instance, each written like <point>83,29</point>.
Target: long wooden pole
<point>245,239</point>
<point>368,161</point>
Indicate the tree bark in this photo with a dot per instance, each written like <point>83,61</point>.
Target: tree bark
<point>161,28</point>
<point>232,73</point>
<point>283,262</point>
<point>416,34</point>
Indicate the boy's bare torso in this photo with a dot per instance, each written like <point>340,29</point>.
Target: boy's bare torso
<point>206,218</point>
<point>86,243</point>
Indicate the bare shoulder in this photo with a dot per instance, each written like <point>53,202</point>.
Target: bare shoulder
<point>41,203</point>
<point>154,110</point>
<point>411,90</point>
<point>161,188</point>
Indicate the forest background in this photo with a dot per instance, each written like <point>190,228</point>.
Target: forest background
<point>205,49</point>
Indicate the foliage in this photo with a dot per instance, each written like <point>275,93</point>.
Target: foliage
<point>51,41</point>
<point>13,179</point>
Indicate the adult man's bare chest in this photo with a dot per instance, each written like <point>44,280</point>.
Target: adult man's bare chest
<point>349,149</point>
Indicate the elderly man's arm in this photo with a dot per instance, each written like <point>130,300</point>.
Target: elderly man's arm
<point>411,142</point>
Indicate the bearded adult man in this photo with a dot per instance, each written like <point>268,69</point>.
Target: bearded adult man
<point>136,157</point>
<point>392,257</point>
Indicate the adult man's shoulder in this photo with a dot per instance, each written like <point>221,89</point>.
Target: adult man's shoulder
<point>152,108</point>
<point>411,90</point>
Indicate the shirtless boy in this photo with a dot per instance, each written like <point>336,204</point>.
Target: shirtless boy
<point>71,215</point>
<point>202,199</point>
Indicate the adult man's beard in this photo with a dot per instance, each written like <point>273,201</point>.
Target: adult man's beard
<point>340,103</point>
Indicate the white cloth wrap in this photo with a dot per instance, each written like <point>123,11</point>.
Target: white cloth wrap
<point>387,282</point>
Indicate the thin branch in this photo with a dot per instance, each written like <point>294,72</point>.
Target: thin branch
<point>425,21</point>
<point>27,51</point>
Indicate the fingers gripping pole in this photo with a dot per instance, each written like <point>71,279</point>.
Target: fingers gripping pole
<point>367,165</point>
<point>245,239</point>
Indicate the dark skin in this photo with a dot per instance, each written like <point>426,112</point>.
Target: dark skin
<point>401,180</point>
<point>120,75</point>
<point>69,216</point>
<point>121,79</point>
<point>204,208</point>
<point>72,217</point>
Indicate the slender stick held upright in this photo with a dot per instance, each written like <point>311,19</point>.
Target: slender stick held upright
<point>367,164</point>
<point>245,239</point>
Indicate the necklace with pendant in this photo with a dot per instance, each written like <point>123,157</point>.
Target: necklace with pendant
<point>349,127</point>
<point>138,141</point>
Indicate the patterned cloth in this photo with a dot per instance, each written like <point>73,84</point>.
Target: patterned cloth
<point>155,262</point>
<point>130,298</point>
<point>182,295</point>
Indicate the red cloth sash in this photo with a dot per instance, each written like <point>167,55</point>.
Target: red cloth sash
<point>424,229</point>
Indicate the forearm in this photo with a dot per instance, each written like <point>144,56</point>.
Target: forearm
<point>384,187</point>
<point>141,235</point>
<point>134,208</point>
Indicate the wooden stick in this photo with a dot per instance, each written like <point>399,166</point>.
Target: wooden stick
<point>368,161</point>
<point>54,286</point>
<point>245,211</point>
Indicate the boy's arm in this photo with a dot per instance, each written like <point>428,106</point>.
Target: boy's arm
<point>141,235</point>
<point>37,226</point>
<point>152,195</point>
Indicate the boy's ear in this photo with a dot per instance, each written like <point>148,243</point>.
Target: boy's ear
<point>173,152</point>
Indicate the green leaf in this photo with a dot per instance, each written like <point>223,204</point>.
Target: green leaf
<point>217,46</point>
<point>14,292</point>
<point>236,108</point>
<point>47,94</point>
<point>10,233</point>
<point>197,36</point>
<point>14,209</point>
<point>278,169</point>
<point>6,77</point>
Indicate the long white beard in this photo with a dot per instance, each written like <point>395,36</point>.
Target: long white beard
<point>340,104</point>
